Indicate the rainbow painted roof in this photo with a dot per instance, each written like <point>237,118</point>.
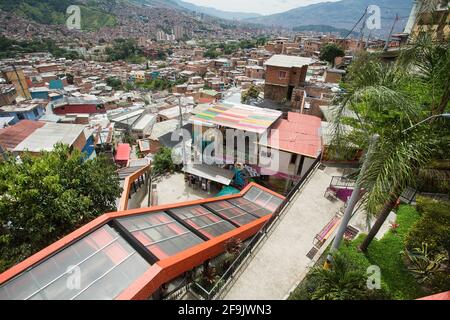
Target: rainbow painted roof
<point>236,116</point>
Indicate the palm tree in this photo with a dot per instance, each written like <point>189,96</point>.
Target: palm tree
<point>429,61</point>
<point>379,96</point>
<point>343,281</point>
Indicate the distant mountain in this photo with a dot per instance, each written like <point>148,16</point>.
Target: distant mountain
<point>217,13</point>
<point>183,5</point>
<point>94,13</point>
<point>324,28</point>
<point>341,14</point>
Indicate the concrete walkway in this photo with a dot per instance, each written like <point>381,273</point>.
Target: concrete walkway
<point>281,261</point>
<point>173,189</point>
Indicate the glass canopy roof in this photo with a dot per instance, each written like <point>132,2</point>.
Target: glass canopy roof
<point>99,266</point>
<point>160,234</point>
<point>231,212</point>
<point>204,221</point>
<point>258,202</point>
<point>105,262</point>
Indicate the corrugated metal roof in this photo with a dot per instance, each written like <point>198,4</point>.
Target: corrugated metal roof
<point>12,136</point>
<point>280,60</point>
<point>123,152</point>
<point>212,173</point>
<point>236,116</point>
<point>299,134</point>
<point>161,128</point>
<point>144,121</point>
<point>45,137</point>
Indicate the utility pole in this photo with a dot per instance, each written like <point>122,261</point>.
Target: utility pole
<point>368,40</point>
<point>20,81</point>
<point>351,203</point>
<point>183,151</point>
<point>361,33</point>
<point>386,46</point>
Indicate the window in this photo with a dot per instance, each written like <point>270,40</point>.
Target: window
<point>282,75</point>
<point>266,153</point>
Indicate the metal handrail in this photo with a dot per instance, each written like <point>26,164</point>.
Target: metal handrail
<point>222,283</point>
<point>342,182</point>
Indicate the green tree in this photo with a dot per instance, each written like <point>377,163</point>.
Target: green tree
<point>114,82</point>
<point>124,49</point>
<point>343,281</point>
<point>380,98</point>
<point>433,226</point>
<point>330,52</point>
<point>211,53</point>
<point>429,60</point>
<point>162,163</point>
<point>129,138</point>
<point>251,94</point>
<point>48,196</point>
<point>69,78</point>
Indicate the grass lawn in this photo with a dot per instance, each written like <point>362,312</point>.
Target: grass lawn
<point>386,253</point>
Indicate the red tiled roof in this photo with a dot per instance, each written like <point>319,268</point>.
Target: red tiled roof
<point>299,134</point>
<point>123,152</point>
<point>11,137</point>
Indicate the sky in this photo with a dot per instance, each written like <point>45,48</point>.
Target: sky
<point>257,6</point>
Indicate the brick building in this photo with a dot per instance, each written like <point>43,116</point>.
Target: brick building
<point>283,75</point>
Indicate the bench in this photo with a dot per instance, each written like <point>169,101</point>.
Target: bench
<point>328,230</point>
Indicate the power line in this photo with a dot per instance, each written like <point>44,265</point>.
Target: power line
<point>362,17</point>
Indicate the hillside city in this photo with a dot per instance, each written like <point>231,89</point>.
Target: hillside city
<point>161,150</point>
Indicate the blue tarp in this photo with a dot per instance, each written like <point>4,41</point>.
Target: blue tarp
<point>56,84</point>
<point>226,191</point>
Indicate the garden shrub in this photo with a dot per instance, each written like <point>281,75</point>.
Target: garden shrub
<point>432,228</point>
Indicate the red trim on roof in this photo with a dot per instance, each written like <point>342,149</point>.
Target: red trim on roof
<point>206,100</point>
<point>439,296</point>
<point>166,269</point>
<point>170,268</point>
<point>123,152</point>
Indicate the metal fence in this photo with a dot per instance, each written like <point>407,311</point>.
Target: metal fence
<point>222,284</point>
<point>342,182</point>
